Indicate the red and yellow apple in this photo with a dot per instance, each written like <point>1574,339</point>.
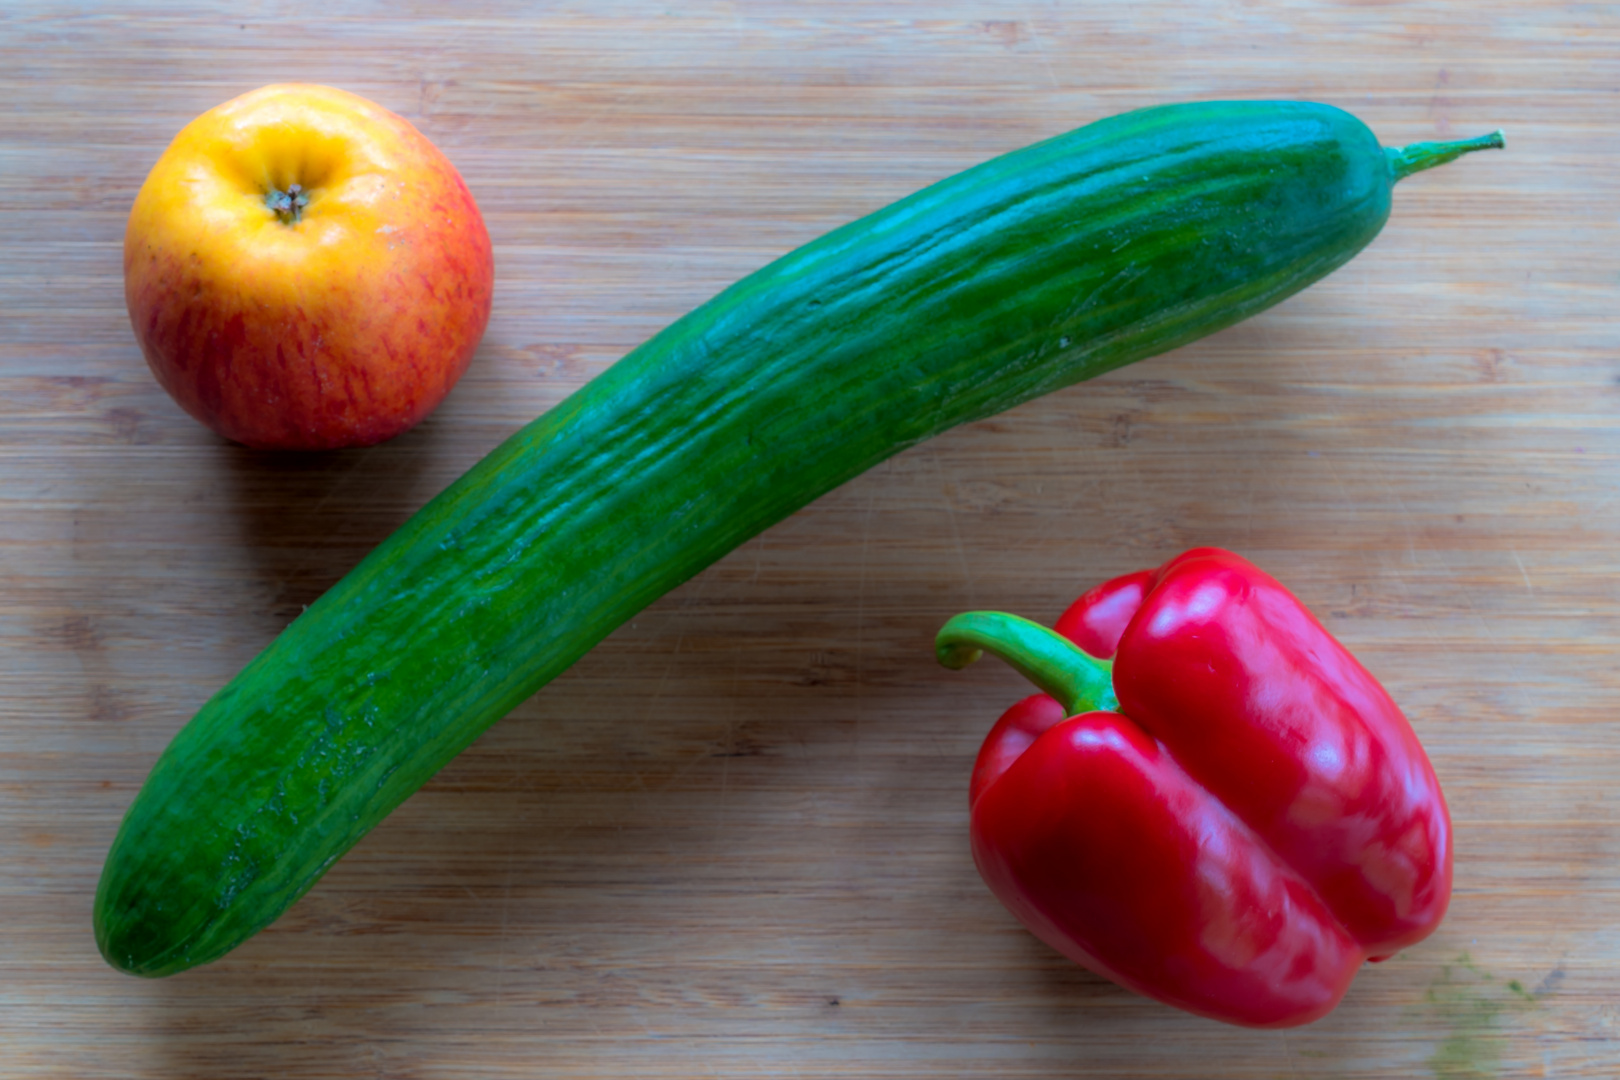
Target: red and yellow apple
<point>306,271</point>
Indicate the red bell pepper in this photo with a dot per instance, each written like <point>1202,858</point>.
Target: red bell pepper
<point>1212,804</point>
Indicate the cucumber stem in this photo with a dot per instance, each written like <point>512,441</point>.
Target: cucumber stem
<point>1079,681</point>
<point>1406,160</point>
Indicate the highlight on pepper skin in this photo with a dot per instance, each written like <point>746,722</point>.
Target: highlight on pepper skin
<point>1211,802</point>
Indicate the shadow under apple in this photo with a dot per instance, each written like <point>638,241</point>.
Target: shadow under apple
<point>306,519</point>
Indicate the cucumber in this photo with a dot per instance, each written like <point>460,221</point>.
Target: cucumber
<point>1030,272</point>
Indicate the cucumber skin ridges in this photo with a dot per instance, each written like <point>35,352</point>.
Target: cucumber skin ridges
<point>1036,270</point>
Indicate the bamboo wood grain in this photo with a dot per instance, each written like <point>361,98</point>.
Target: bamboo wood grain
<point>732,840</point>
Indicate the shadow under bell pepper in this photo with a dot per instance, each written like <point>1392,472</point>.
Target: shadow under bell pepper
<point>1212,803</point>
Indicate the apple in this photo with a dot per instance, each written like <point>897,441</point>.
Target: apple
<point>305,271</point>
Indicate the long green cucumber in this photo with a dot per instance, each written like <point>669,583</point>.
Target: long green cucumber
<point>1030,272</point>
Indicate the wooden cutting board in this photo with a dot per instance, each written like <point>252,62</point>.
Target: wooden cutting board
<point>731,842</point>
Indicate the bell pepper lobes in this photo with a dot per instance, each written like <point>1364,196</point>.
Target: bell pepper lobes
<point>1212,803</point>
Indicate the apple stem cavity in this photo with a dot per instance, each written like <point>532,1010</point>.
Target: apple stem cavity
<point>288,205</point>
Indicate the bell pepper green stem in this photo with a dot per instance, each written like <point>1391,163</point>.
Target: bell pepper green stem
<point>1406,160</point>
<point>1079,681</point>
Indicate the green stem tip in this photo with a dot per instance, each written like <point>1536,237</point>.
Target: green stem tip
<point>1406,160</point>
<point>1079,681</point>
